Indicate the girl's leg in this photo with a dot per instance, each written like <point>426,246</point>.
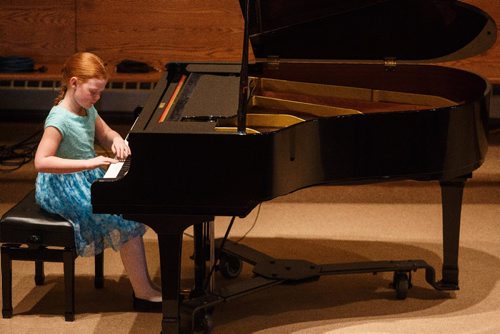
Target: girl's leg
<point>134,260</point>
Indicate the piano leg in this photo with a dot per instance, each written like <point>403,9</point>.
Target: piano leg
<point>451,195</point>
<point>170,259</point>
<point>170,230</point>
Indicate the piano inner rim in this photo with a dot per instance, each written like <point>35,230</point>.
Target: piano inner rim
<point>276,104</point>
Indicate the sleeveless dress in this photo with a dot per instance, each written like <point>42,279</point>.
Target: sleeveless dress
<point>68,194</point>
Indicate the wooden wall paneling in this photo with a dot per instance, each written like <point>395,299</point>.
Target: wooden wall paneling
<point>41,29</point>
<point>158,31</point>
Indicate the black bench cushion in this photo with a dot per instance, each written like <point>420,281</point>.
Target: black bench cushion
<point>26,222</point>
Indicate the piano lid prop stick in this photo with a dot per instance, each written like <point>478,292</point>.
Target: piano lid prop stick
<point>242,103</point>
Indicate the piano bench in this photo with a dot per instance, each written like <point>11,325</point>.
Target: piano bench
<point>28,233</point>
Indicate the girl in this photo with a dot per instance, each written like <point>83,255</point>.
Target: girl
<point>67,165</point>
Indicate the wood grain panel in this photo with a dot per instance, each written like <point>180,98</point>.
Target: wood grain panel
<point>155,31</point>
<point>43,30</point>
<point>158,32</point>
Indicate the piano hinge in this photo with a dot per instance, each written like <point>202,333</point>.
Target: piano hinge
<point>390,64</point>
<point>273,62</point>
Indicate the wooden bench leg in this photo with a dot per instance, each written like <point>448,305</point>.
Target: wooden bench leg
<point>69,282</point>
<point>68,258</point>
<point>99,271</point>
<point>39,273</point>
<point>6,282</point>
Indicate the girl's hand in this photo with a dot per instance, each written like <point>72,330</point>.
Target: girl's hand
<point>101,161</point>
<point>120,148</point>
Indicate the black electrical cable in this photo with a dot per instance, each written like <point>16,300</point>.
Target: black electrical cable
<point>226,235</point>
<point>224,239</point>
<point>13,157</point>
<point>251,227</point>
<point>246,233</point>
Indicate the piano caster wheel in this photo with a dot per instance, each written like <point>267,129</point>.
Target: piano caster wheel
<point>230,266</point>
<point>401,283</point>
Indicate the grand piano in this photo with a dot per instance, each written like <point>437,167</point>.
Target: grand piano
<point>339,92</point>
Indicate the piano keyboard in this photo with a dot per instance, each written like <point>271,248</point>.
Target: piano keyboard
<point>118,169</point>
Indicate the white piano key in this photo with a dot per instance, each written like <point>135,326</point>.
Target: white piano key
<point>113,170</point>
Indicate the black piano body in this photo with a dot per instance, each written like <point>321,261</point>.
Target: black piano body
<point>374,116</point>
<point>195,167</point>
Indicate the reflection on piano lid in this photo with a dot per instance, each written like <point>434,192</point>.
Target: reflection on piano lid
<point>411,30</point>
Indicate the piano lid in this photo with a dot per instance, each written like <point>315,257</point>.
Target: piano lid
<point>409,30</point>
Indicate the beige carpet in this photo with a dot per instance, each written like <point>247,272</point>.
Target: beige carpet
<point>323,225</point>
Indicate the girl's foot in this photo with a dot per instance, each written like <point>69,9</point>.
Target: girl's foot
<point>152,304</point>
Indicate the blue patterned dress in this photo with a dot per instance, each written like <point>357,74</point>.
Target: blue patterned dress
<point>68,194</point>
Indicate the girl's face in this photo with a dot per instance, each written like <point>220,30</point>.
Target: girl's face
<point>87,93</point>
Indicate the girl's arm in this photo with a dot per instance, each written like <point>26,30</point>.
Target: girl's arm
<point>46,160</point>
<point>110,139</point>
